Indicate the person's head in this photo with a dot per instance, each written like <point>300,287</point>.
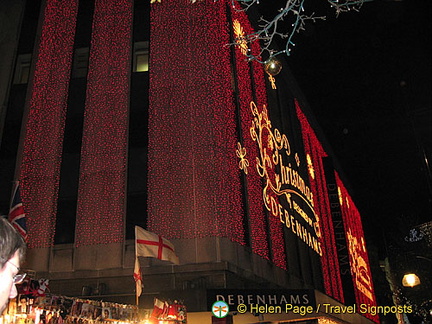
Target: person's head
<point>12,251</point>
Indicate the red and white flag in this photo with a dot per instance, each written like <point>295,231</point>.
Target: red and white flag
<point>138,279</point>
<point>148,244</point>
<point>160,309</point>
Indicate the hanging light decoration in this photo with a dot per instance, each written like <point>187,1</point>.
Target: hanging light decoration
<point>273,66</point>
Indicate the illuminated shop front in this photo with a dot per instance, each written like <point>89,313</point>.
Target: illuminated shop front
<point>198,145</point>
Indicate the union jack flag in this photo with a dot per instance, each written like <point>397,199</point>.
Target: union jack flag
<point>16,212</point>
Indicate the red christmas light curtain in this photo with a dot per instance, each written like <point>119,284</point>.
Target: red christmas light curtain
<point>359,260</point>
<point>257,222</point>
<point>276,227</point>
<point>193,182</point>
<point>43,142</point>
<point>102,183</point>
<point>329,259</point>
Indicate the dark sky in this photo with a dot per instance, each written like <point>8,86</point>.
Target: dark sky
<point>367,77</point>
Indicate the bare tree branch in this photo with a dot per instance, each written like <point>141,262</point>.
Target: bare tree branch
<point>270,30</point>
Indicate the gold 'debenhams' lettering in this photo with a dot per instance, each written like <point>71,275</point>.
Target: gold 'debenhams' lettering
<point>295,226</point>
<point>283,181</point>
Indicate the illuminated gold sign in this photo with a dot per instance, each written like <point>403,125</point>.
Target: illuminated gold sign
<point>286,194</point>
<point>359,268</point>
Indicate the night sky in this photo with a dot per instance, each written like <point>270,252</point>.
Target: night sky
<point>367,78</point>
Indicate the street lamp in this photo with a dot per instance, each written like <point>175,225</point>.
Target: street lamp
<point>410,280</point>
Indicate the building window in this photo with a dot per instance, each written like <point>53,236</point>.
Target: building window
<point>22,70</point>
<point>80,63</point>
<point>141,57</point>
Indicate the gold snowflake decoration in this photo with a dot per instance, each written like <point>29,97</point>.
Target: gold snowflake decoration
<point>240,37</point>
<point>241,154</point>
<point>154,1</point>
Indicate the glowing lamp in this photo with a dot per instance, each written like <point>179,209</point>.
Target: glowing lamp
<point>410,280</point>
<point>273,66</point>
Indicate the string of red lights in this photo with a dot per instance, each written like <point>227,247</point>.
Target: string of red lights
<point>193,176</point>
<point>102,182</point>
<point>257,222</point>
<point>329,260</point>
<point>359,260</point>
<point>279,255</point>
<point>42,147</point>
